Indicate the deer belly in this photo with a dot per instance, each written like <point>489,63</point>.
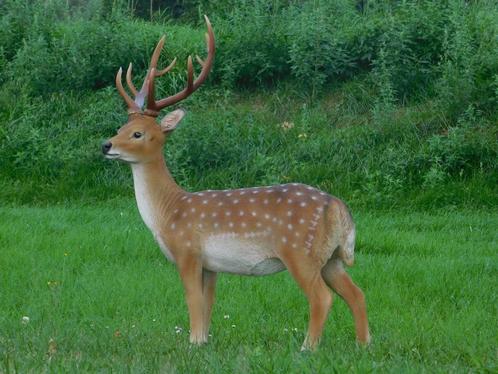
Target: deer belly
<point>238,256</point>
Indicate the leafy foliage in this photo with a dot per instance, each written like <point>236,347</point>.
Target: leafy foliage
<point>382,99</point>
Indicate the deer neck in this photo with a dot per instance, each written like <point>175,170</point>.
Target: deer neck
<point>155,192</point>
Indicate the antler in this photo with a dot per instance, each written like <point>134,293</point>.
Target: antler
<point>147,89</point>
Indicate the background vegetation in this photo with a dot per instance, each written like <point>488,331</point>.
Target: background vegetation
<point>383,103</point>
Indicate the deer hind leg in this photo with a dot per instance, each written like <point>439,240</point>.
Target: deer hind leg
<point>208,289</point>
<point>338,280</point>
<point>307,275</point>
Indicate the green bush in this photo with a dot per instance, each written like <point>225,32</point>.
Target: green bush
<point>404,97</point>
<point>251,45</point>
<point>68,62</point>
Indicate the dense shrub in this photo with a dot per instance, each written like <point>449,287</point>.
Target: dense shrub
<point>403,96</point>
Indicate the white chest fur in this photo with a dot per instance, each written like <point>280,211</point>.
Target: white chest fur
<point>142,195</point>
<point>146,208</point>
<point>229,253</point>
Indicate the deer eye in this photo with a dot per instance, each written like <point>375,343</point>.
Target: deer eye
<point>137,135</point>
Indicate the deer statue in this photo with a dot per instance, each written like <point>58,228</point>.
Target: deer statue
<point>251,231</point>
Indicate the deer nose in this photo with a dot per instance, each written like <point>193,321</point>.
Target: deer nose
<point>106,147</point>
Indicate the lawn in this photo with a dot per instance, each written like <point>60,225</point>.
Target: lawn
<point>85,287</point>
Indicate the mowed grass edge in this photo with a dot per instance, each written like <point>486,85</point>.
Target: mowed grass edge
<point>100,296</point>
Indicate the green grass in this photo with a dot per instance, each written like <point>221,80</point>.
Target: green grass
<point>100,297</point>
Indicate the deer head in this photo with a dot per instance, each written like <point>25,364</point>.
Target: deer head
<point>141,139</point>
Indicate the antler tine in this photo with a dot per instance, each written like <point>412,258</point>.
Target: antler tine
<point>152,65</point>
<point>149,83</point>
<point>206,67</point>
<point>190,76</point>
<point>129,81</point>
<point>157,52</point>
<point>199,60</point>
<point>192,85</point>
<point>132,106</point>
<point>165,70</point>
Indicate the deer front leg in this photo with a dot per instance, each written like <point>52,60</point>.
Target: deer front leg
<point>191,273</point>
<point>208,288</point>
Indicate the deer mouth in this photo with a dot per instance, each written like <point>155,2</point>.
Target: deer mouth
<point>112,156</point>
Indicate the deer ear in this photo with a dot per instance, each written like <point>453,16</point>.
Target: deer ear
<point>170,120</point>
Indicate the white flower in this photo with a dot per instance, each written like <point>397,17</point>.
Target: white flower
<point>233,326</point>
<point>25,320</point>
<point>226,316</point>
